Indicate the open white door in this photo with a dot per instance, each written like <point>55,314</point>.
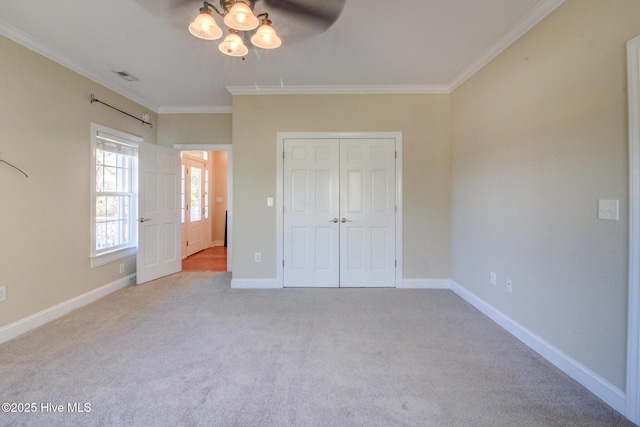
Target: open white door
<point>159,212</point>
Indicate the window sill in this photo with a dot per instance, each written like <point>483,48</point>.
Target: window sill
<point>109,257</point>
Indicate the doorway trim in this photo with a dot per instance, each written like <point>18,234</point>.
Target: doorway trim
<point>229,149</point>
<point>633,329</point>
<point>281,136</point>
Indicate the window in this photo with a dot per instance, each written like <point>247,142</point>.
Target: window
<point>114,199</point>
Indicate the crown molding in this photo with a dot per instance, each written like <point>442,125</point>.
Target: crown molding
<point>195,110</point>
<point>544,8</point>
<point>37,46</point>
<point>338,90</point>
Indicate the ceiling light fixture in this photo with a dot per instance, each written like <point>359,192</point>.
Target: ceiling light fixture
<point>238,16</point>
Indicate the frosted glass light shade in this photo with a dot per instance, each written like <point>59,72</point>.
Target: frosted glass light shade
<point>266,37</point>
<point>233,46</point>
<point>240,17</point>
<point>205,27</point>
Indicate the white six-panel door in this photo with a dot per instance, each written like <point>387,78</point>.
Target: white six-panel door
<point>368,219</point>
<point>311,210</point>
<point>159,212</point>
<point>339,213</point>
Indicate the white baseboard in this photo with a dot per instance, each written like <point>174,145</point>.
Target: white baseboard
<point>424,284</point>
<point>606,391</point>
<point>405,284</point>
<point>255,284</point>
<point>36,320</point>
<point>216,243</point>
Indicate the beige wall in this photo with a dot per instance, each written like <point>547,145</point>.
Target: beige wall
<point>45,120</point>
<point>194,129</point>
<point>539,135</point>
<point>424,121</point>
<point>219,189</point>
<point>203,129</point>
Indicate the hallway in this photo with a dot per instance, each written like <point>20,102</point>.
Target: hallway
<point>211,259</point>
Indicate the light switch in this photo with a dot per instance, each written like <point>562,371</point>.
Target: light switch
<point>218,199</point>
<point>608,209</point>
<point>269,201</point>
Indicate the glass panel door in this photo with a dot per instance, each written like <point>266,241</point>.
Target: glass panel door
<point>195,210</point>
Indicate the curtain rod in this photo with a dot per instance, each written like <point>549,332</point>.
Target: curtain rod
<point>144,122</point>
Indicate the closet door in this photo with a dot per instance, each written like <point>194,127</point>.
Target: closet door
<point>367,212</point>
<point>311,210</point>
<point>339,212</point>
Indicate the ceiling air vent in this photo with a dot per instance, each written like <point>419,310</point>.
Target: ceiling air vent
<point>128,77</point>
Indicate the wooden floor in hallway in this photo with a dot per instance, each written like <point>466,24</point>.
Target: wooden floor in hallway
<point>211,259</point>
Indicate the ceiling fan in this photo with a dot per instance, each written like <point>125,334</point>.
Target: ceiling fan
<point>306,17</point>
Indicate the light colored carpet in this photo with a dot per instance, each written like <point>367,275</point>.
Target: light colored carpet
<point>188,350</point>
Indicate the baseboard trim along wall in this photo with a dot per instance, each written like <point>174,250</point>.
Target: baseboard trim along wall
<point>610,394</point>
<point>404,284</point>
<point>36,320</point>
<point>255,284</point>
<point>424,284</point>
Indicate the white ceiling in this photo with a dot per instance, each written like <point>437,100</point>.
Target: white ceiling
<point>423,46</point>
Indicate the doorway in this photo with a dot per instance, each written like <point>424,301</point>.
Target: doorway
<point>341,209</point>
<point>206,207</point>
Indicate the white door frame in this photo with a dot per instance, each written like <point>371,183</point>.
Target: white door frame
<point>229,149</point>
<point>633,328</point>
<point>281,136</point>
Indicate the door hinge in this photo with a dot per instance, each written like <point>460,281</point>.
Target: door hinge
<point>396,155</point>
<point>396,264</point>
<point>187,243</point>
<point>282,263</point>
<point>396,208</point>
<point>283,154</point>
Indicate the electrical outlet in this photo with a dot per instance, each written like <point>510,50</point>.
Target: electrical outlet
<point>493,278</point>
<point>257,257</point>
<point>132,280</point>
<point>509,286</point>
<point>3,293</point>
<point>121,268</point>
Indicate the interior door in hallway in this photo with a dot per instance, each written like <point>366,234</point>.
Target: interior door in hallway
<point>339,212</point>
<point>195,224</point>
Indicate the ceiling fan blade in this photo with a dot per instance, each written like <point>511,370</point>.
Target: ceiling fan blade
<point>323,12</point>
<point>166,7</point>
